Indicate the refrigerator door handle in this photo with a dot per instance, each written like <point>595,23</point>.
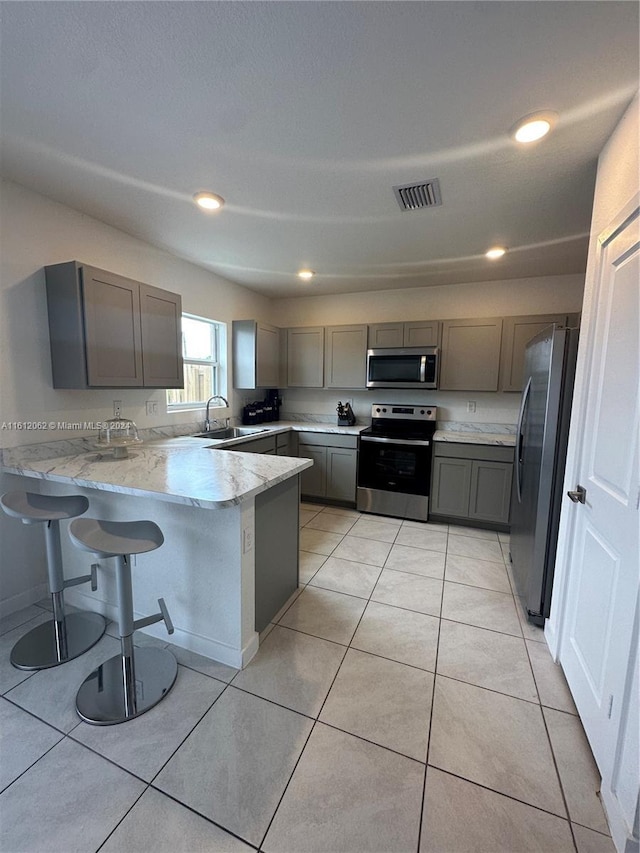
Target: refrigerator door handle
<point>521,416</point>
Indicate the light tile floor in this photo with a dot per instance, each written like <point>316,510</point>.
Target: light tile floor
<point>399,702</point>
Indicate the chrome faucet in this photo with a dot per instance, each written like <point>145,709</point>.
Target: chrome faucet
<point>207,422</point>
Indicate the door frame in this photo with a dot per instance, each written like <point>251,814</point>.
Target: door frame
<point>557,626</point>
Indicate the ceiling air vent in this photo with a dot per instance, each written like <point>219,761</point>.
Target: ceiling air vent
<point>417,196</point>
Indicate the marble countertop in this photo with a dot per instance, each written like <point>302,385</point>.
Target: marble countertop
<point>504,439</point>
<point>181,470</point>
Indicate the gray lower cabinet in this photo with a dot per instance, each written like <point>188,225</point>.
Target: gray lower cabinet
<point>277,539</point>
<point>107,331</point>
<point>472,482</point>
<point>287,443</point>
<point>265,445</point>
<point>333,474</point>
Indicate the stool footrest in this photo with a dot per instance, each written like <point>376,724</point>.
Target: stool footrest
<point>92,576</point>
<point>163,616</point>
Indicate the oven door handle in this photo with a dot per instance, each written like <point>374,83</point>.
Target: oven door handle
<point>404,441</point>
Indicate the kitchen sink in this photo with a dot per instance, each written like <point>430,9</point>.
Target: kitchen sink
<point>229,432</point>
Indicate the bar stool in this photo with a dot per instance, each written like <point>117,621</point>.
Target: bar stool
<point>67,635</point>
<point>132,682</point>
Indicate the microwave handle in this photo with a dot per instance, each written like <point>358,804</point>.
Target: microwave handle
<point>423,368</point>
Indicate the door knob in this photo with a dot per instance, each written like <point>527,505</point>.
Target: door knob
<point>579,496</point>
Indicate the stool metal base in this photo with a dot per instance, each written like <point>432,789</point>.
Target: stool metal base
<point>53,643</point>
<point>102,699</point>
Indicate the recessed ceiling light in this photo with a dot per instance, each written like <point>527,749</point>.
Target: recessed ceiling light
<point>533,127</point>
<point>306,274</point>
<point>495,253</point>
<point>208,201</point>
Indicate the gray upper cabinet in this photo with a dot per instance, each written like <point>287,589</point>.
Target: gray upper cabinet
<point>256,355</point>
<point>385,335</point>
<point>345,349</point>
<point>109,331</point>
<point>161,324</point>
<point>416,333</point>
<point>422,333</point>
<point>516,333</point>
<point>470,355</point>
<point>305,357</point>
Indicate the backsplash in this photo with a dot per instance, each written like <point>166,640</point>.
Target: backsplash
<point>494,412</point>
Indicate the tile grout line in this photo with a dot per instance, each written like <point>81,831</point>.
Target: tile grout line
<point>433,701</point>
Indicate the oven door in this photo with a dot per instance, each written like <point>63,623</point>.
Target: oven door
<point>394,464</point>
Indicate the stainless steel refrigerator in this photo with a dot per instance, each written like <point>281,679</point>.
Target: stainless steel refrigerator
<point>541,450</point>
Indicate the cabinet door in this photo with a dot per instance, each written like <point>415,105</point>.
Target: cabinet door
<point>265,445</point>
<point>305,357</point>
<point>422,333</point>
<point>112,329</point>
<point>161,322</point>
<point>386,335</point>
<point>470,355</point>
<point>490,495</point>
<point>516,333</point>
<point>341,473</point>
<point>345,356</point>
<point>313,481</point>
<point>267,356</point>
<point>451,483</point>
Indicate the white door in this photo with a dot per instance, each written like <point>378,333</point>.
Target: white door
<point>603,570</point>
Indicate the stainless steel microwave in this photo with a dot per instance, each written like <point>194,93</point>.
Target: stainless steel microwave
<point>410,367</point>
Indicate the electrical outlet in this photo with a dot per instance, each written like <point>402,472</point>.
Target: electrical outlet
<point>471,406</point>
<point>152,407</point>
<point>247,540</point>
<point>117,408</point>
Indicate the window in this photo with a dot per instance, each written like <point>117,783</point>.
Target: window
<point>203,350</point>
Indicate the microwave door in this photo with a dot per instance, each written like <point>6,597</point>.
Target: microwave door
<point>396,369</point>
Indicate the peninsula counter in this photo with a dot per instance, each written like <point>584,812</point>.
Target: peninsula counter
<point>230,522</point>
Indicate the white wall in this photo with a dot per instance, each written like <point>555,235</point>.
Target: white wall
<point>544,295</point>
<point>35,231</point>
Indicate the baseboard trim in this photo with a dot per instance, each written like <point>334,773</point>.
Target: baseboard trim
<point>23,599</point>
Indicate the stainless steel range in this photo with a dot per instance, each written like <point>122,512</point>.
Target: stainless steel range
<point>394,461</point>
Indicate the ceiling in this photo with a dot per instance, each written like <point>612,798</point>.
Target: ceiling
<point>305,115</point>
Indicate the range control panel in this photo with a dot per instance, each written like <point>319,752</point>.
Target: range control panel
<point>389,411</point>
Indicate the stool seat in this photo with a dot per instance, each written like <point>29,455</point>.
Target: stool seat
<point>31,507</point>
<point>64,636</point>
<point>113,538</point>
